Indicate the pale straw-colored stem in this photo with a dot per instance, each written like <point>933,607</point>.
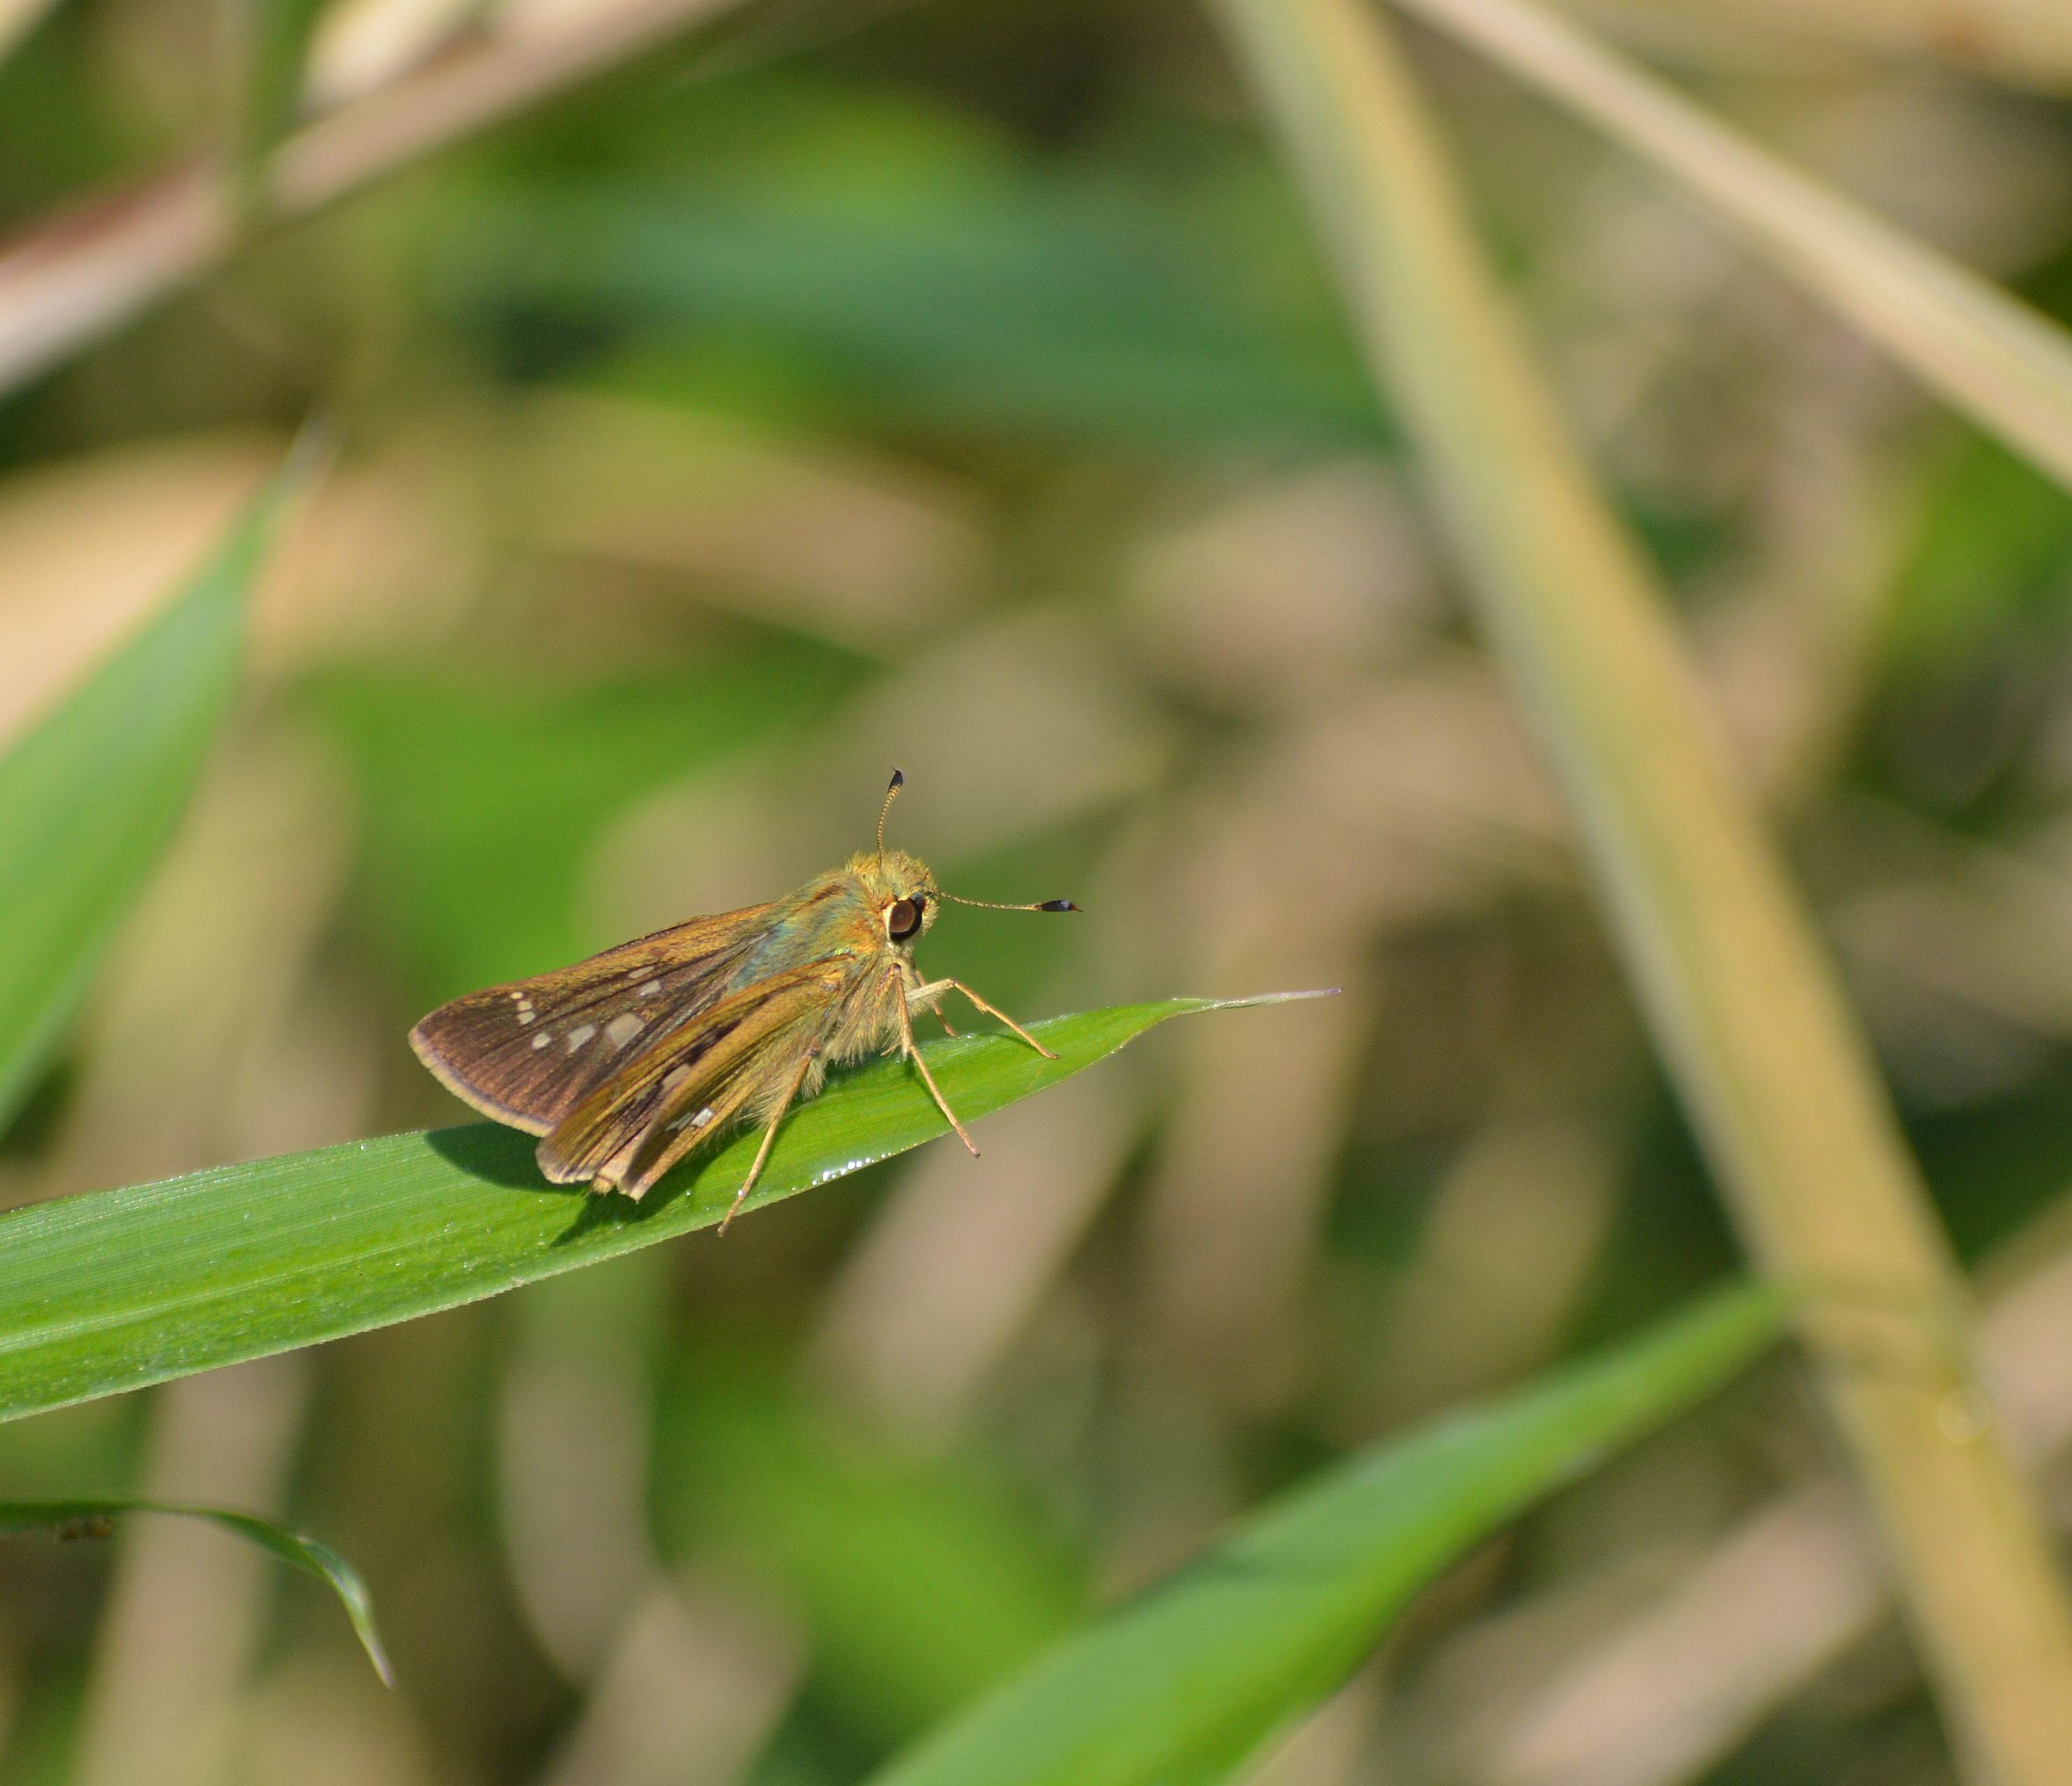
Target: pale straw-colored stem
<point>2027,43</point>
<point>2007,366</point>
<point>1740,996</point>
<point>69,279</point>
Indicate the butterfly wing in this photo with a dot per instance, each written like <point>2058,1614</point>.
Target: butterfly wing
<point>740,1056</point>
<point>528,1053</point>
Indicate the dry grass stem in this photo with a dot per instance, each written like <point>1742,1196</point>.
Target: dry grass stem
<point>2027,43</point>
<point>2006,366</point>
<point>70,279</point>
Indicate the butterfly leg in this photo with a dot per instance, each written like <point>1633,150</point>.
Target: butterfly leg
<point>927,1078</point>
<point>929,997</point>
<point>935,989</point>
<point>769,1137</point>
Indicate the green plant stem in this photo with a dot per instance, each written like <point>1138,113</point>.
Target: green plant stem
<point>1740,995</point>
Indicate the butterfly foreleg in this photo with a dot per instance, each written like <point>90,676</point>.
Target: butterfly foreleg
<point>931,994</point>
<point>912,1053</point>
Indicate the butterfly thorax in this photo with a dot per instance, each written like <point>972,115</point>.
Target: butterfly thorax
<point>845,913</point>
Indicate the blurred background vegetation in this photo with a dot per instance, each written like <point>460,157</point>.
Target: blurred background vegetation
<point>957,387</point>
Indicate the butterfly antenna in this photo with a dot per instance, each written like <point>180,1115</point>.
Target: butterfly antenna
<point>994,905</point>
<point>891,793</point>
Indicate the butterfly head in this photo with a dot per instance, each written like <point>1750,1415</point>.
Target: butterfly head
<point>903,893</point>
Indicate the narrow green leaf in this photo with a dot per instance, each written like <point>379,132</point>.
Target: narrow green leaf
<point>115,1288</point>
<point>89,796</point>
<point>1024,310</point>
<point>1187,1682</point>
<point>87,1515</point>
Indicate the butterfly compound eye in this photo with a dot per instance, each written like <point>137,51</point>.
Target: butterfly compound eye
<point>904,918</point>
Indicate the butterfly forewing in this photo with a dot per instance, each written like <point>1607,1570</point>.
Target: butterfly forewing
<point>528,1053</point>
<point>693,1083</point>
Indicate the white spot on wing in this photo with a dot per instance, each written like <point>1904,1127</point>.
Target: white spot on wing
<point>542,1039</point>
<point>581,1033</point>
<point>650,989</point>
<point>624,1027</point>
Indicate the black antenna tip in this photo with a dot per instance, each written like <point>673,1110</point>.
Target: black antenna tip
<point>898,780</point>
<point>1057,905</point>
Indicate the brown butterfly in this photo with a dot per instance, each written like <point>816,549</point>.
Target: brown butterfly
<point>625,1063</point>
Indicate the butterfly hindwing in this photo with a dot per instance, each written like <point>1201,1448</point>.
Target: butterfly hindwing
<point>530,1052</point>
<point>692,1084</point>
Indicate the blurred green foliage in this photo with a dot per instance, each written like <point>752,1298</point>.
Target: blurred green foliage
<point>480,797</point>
<point>1029,345</point>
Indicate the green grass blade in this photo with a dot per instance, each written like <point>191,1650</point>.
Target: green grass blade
<point>1185,1683</point>
<point>112,1289</point>
<point>90,795</point>
<point>2006,366</point>
<point>87,1515</point>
